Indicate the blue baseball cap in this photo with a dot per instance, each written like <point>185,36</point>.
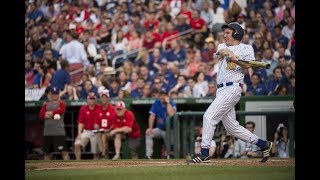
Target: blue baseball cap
<point>54,90</point>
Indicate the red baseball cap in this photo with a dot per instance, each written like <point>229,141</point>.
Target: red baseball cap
<point>91,95</point>
<point>120,105</point>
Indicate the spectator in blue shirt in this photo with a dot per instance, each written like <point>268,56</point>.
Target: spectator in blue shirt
<point>159,111</point>
<point>256,88</point>
<point>88,87</point>
<point>61,78</point>
<point>137,93</point>
<point>274,81</point>
<point>34,14</point>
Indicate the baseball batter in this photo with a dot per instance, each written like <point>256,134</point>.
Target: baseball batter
<point>229,87</point>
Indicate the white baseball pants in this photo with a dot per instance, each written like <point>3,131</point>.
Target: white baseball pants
<point>222,109</point>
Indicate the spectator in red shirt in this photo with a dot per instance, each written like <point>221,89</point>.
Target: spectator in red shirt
<point>88,127</point>
<point>52,112</point>
<point>151,21</point>
<point>149,40</point>
<point>125,126</point>
<point>197,23</point>
<point>105,122</point>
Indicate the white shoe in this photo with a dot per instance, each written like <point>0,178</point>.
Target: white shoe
<point>115,157</point>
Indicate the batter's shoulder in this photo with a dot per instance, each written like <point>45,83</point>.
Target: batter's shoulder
<point>248,46</point>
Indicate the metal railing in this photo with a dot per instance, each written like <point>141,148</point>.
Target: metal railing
<point>164,42</point>
<point>185,149</point>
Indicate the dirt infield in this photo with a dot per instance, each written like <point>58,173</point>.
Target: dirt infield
<point>45,165</point>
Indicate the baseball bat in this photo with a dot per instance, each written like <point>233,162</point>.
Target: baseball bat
<point>257,64</point>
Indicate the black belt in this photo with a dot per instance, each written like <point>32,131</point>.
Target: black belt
<point>228,84</point>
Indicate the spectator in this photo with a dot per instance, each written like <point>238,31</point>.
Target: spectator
<point>125,127</point>
<point>91,51</point>
<point>69,93</point>
<point>105,121</point>
<point>218,17</point>
<point>278,36</point>
<point>52,112</point>
<point>201,82</point>
<point>160,109</point>
<point>124,82</point>
<point>155,59</point>
<point>182,24</point>
<point>180,87</point>
<point>206,14</point>
<point>56,41</point>
<point>208,53</point>
<point>274,81</point>
<point>256,88</point>
<point>133,80</point>
<point>87,123</point>
<point>197,23</point>
<point>45,77</point>
<point>123,94</point>
<point>197,144</point>
<point>243,149</point>
<point>33,14</point>
<point>31,75</point>
<point>267,58</point>
<point>212,86</point>
<point>292,86</point>
<point>88,88</point>
<point>288,29</point>
<point>146,91</point>
<point>281,90</point>
<point>287,73</point>
<point>114,88</point>
<point>75,54</point>
<point>149,39</point>
<point>193,90</point>
<point>135,42</point>
<point>158,84</point>
<point>137,93</point>
<point>281,142</point>
<point>226,148</point>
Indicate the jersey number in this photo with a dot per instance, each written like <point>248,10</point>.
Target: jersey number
<point>104,123</point>
<point>231,65</point>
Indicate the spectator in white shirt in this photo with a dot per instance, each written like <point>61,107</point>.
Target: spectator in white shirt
<point>76,55</point>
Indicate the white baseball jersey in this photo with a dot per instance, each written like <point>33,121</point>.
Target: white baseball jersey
<point>222,108</point>
<point>229,71</point>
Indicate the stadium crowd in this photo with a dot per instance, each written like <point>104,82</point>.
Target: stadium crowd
<point>136,47</point>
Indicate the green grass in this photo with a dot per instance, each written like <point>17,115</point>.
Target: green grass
<point>167,172</point>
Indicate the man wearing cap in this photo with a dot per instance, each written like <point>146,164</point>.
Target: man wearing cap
<point>88,127</point>
<point>230,78</point>
<point>124,127</point>
<point>52,112</point>
<point>105,121</point>
<point>160,109</point>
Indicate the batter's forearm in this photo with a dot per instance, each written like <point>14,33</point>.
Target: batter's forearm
<point>240,63</point>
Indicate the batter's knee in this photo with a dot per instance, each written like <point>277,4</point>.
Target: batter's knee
<point>213,115</point>
<point>206,117</point>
